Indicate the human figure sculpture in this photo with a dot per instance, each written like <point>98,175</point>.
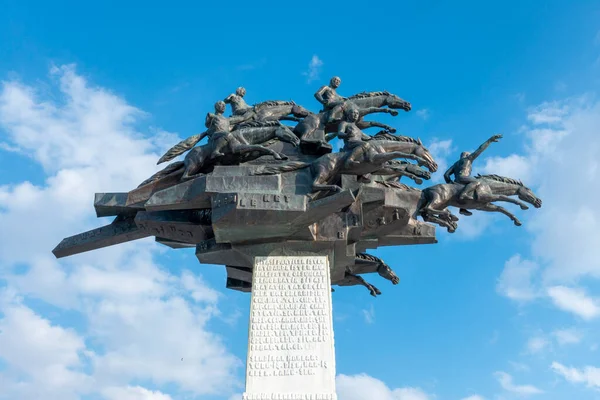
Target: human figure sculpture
<point>349,132</point>
<point>331,100</point>
<point>219,128</point>
<point>462,169</point>
<point>239,107</point>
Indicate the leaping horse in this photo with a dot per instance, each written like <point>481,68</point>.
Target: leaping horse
<point>436,198</point>
<point>253,133</point>
<point>312,129</point>
<point>365,159</point>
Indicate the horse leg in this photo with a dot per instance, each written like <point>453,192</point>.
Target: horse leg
<point>192,166</point>
<point>372,110</point>
<point>507,199</point>
<point>384,157</point>
<point>370,124</point>
<point>290,118</point>
<point>322,176</point>
<point>358,280</point>
<point>494,208</point>
<point>449,225</point>
<point>263,151</point>
<point>434,208</point>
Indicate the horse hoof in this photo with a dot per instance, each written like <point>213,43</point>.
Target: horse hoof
<point>418,181</point>
<point>518,223</point>
<point>394,113</point>
<point>524,207</point>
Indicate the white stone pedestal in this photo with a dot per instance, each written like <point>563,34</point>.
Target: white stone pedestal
<point>290,348</point>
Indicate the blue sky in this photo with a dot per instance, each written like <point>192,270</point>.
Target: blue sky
<point>93,93</point>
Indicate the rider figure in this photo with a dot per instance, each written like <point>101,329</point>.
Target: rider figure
<point>237,102</point>
<point>349,132</point>
<point>331,101</point>
<point>219,128</point>
<point>462,172</point>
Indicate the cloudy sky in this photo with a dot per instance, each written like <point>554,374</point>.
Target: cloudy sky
<point>92,94</point>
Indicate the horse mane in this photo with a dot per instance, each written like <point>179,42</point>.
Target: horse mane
<point>363,95</point>
<point>272,103</point>
<point>368,257</point>
<point>257,124</point>
<point>499,178</point>
<point>398,138</point>
<point>397,185</point>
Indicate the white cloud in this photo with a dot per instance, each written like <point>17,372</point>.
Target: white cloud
<point>440,150</point>
<point>575,301</point>
<point>561,163</point>
<point>515,166</point>
<point>314,69</point>
<point>360,387</point>
<point>135,320</point>
<point>537,344</point>
<point>519,366</point>
<point>474,397</point>
<point>515,282</point>
<point>567,336</point>
<point>590,376</point>
<point>506,381</point>
<point>369,315</point>
<point>423,113</point>
<point>133,393</point>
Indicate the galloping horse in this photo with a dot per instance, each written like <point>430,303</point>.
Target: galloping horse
<point>436,198</point>
<point>368,158</point>
<point>276,110</point>
<point>312,129</point>
<point>253,133</point>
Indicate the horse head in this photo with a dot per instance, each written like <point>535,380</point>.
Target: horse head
<point>422,152</point>
<point>393,101</point>
<point>418,171</point>
<point>528,196</point>
<point>299,111</point>
<point>285,134</point>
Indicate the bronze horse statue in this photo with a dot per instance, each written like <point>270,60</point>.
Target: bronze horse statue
<point>253,133</point>
<point>312,129</point>
<point>366,263</point>
<point>436,199</point>
<point>365,159</point>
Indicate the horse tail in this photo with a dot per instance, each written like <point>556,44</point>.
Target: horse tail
<point>277,169</point>
<point>173,167</point>
<point>179,148</point>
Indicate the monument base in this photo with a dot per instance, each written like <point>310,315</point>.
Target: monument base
<point>290,343</point>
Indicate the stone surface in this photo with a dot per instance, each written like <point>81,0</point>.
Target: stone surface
<point>290,351</point>
<point>121,230</point>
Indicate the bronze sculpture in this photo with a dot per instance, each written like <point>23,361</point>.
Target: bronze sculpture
<point>259,186</point>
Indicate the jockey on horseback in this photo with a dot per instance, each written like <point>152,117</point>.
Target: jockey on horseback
<point>462,172</point>
<point>349,132</point>
<point>219,128</point>
<point>332,102</point>
<point>237,102</point>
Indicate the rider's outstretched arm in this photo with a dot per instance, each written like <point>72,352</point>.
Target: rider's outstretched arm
<point>484,146</point>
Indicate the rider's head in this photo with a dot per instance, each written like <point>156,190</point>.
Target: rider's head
<point>352,114</point>
<point>335,82</point>
<point>465,154</point>
<point>220,107</point>
<point>240,91</point>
